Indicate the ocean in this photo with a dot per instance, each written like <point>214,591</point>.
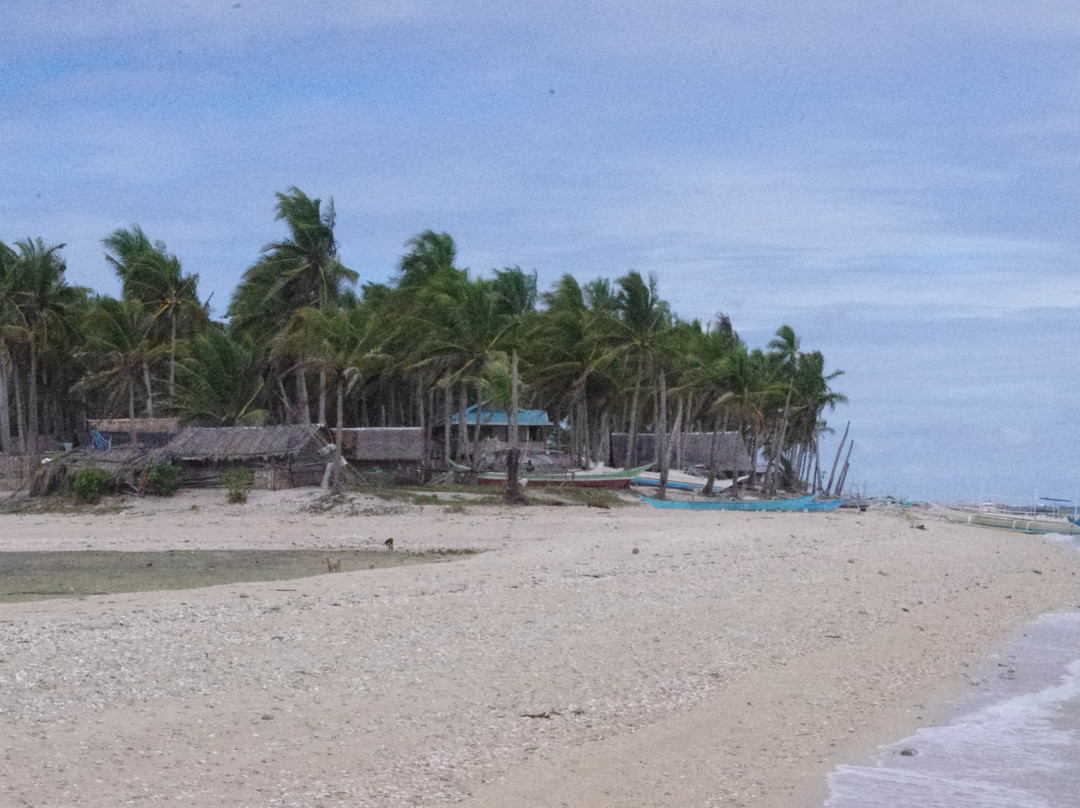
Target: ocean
<point>1014,743</point>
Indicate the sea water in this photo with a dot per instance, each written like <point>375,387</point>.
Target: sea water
<point>1015,743</point>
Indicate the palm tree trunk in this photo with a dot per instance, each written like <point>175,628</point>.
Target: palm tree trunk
<point>172,355</point>
<point>463,403</point>
<point>132,432</point>
<point>660,429</point>
<point>149,392</point>
<point>778,449</point>
<point>676,430</point>
<point>513,487</point>
<point>429,441</point>
<point>479,415</point>
<point>447,407</point>
<point>322,397</point>
<point>285,402</point>
<point>583,410</point>
<point>31,401</point>
<point>843,473</point>
<point>631,437</point>
<point>5,403</point>
<point>839,449</point>
<point>604,451</point>
<point>714,443</point>
<point>337,475</point>
<point>20,415</point>
<point>303,403</point>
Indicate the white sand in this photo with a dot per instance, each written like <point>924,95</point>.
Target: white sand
<point>732,661</point>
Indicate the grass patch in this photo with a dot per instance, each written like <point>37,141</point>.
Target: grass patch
<point>43,575</point>
<point>567,494</point>
<point>61,504</point>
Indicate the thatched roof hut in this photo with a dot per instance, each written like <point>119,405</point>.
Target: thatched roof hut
<point>231,443</point>
<point>279,456</point>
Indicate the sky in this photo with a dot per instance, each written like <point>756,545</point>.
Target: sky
<point>895,181</point>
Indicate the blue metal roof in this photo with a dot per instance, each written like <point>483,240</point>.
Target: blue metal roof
<point>501,418</point>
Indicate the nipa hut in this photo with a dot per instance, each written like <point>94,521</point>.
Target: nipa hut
<point>278,456</point>
<point>695,450</point>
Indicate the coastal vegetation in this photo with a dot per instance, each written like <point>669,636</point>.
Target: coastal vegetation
<point>301,343</point>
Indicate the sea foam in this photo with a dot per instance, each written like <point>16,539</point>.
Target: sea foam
<point>1014,744</point>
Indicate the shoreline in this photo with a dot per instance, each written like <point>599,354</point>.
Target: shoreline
<point>734,660</point>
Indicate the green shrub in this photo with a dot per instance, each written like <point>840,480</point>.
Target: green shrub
<point>90,483</point>
<point>238,481</point>
<point>163,480</point>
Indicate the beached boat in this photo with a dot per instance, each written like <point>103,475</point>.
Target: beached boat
<point>679,481</point>
<point>1017,522</point>
<point>619,478</point>
<point>810,502</point>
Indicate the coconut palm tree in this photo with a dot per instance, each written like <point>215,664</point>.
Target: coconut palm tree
<point>151,275</point>
<point>301,271</point>
<point>222,380</point>
<point>37,300</point>
<point>121,346</point>
<point>430,255</point>
<point>345,347</point>
<point>8,318</point>
<point>642,319</point>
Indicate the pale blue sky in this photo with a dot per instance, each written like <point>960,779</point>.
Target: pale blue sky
<point>894,181</point>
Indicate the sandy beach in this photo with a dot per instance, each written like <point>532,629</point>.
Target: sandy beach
<point>586,657</point>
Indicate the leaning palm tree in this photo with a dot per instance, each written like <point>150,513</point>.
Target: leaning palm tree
<point>301,271</point>
<point>151,275</point>
<point>643,317</point>
<point>430,254</point>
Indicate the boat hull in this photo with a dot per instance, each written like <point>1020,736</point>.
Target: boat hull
<point>577,479</point>
<point>807,503</point>
<point>1019,524</point>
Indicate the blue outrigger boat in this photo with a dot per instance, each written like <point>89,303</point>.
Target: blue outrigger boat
<point>808,503</point>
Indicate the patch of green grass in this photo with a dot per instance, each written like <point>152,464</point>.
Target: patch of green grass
<point>62,504</point>
<point>593,497</point>
<point>44,575</point>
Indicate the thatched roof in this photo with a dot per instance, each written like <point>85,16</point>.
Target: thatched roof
<point>243,442</point>
<point>142,425</point>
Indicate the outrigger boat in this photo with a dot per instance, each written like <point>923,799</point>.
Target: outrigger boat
<point>588,478</point>
<point>1019,523</point>
<point>619,478</point>
<point>810,502</point>
<point>681,481</point>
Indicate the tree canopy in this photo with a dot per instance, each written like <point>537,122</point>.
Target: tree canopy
<point>600,355</point>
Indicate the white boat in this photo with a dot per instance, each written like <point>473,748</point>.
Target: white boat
<point>680,480</point>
